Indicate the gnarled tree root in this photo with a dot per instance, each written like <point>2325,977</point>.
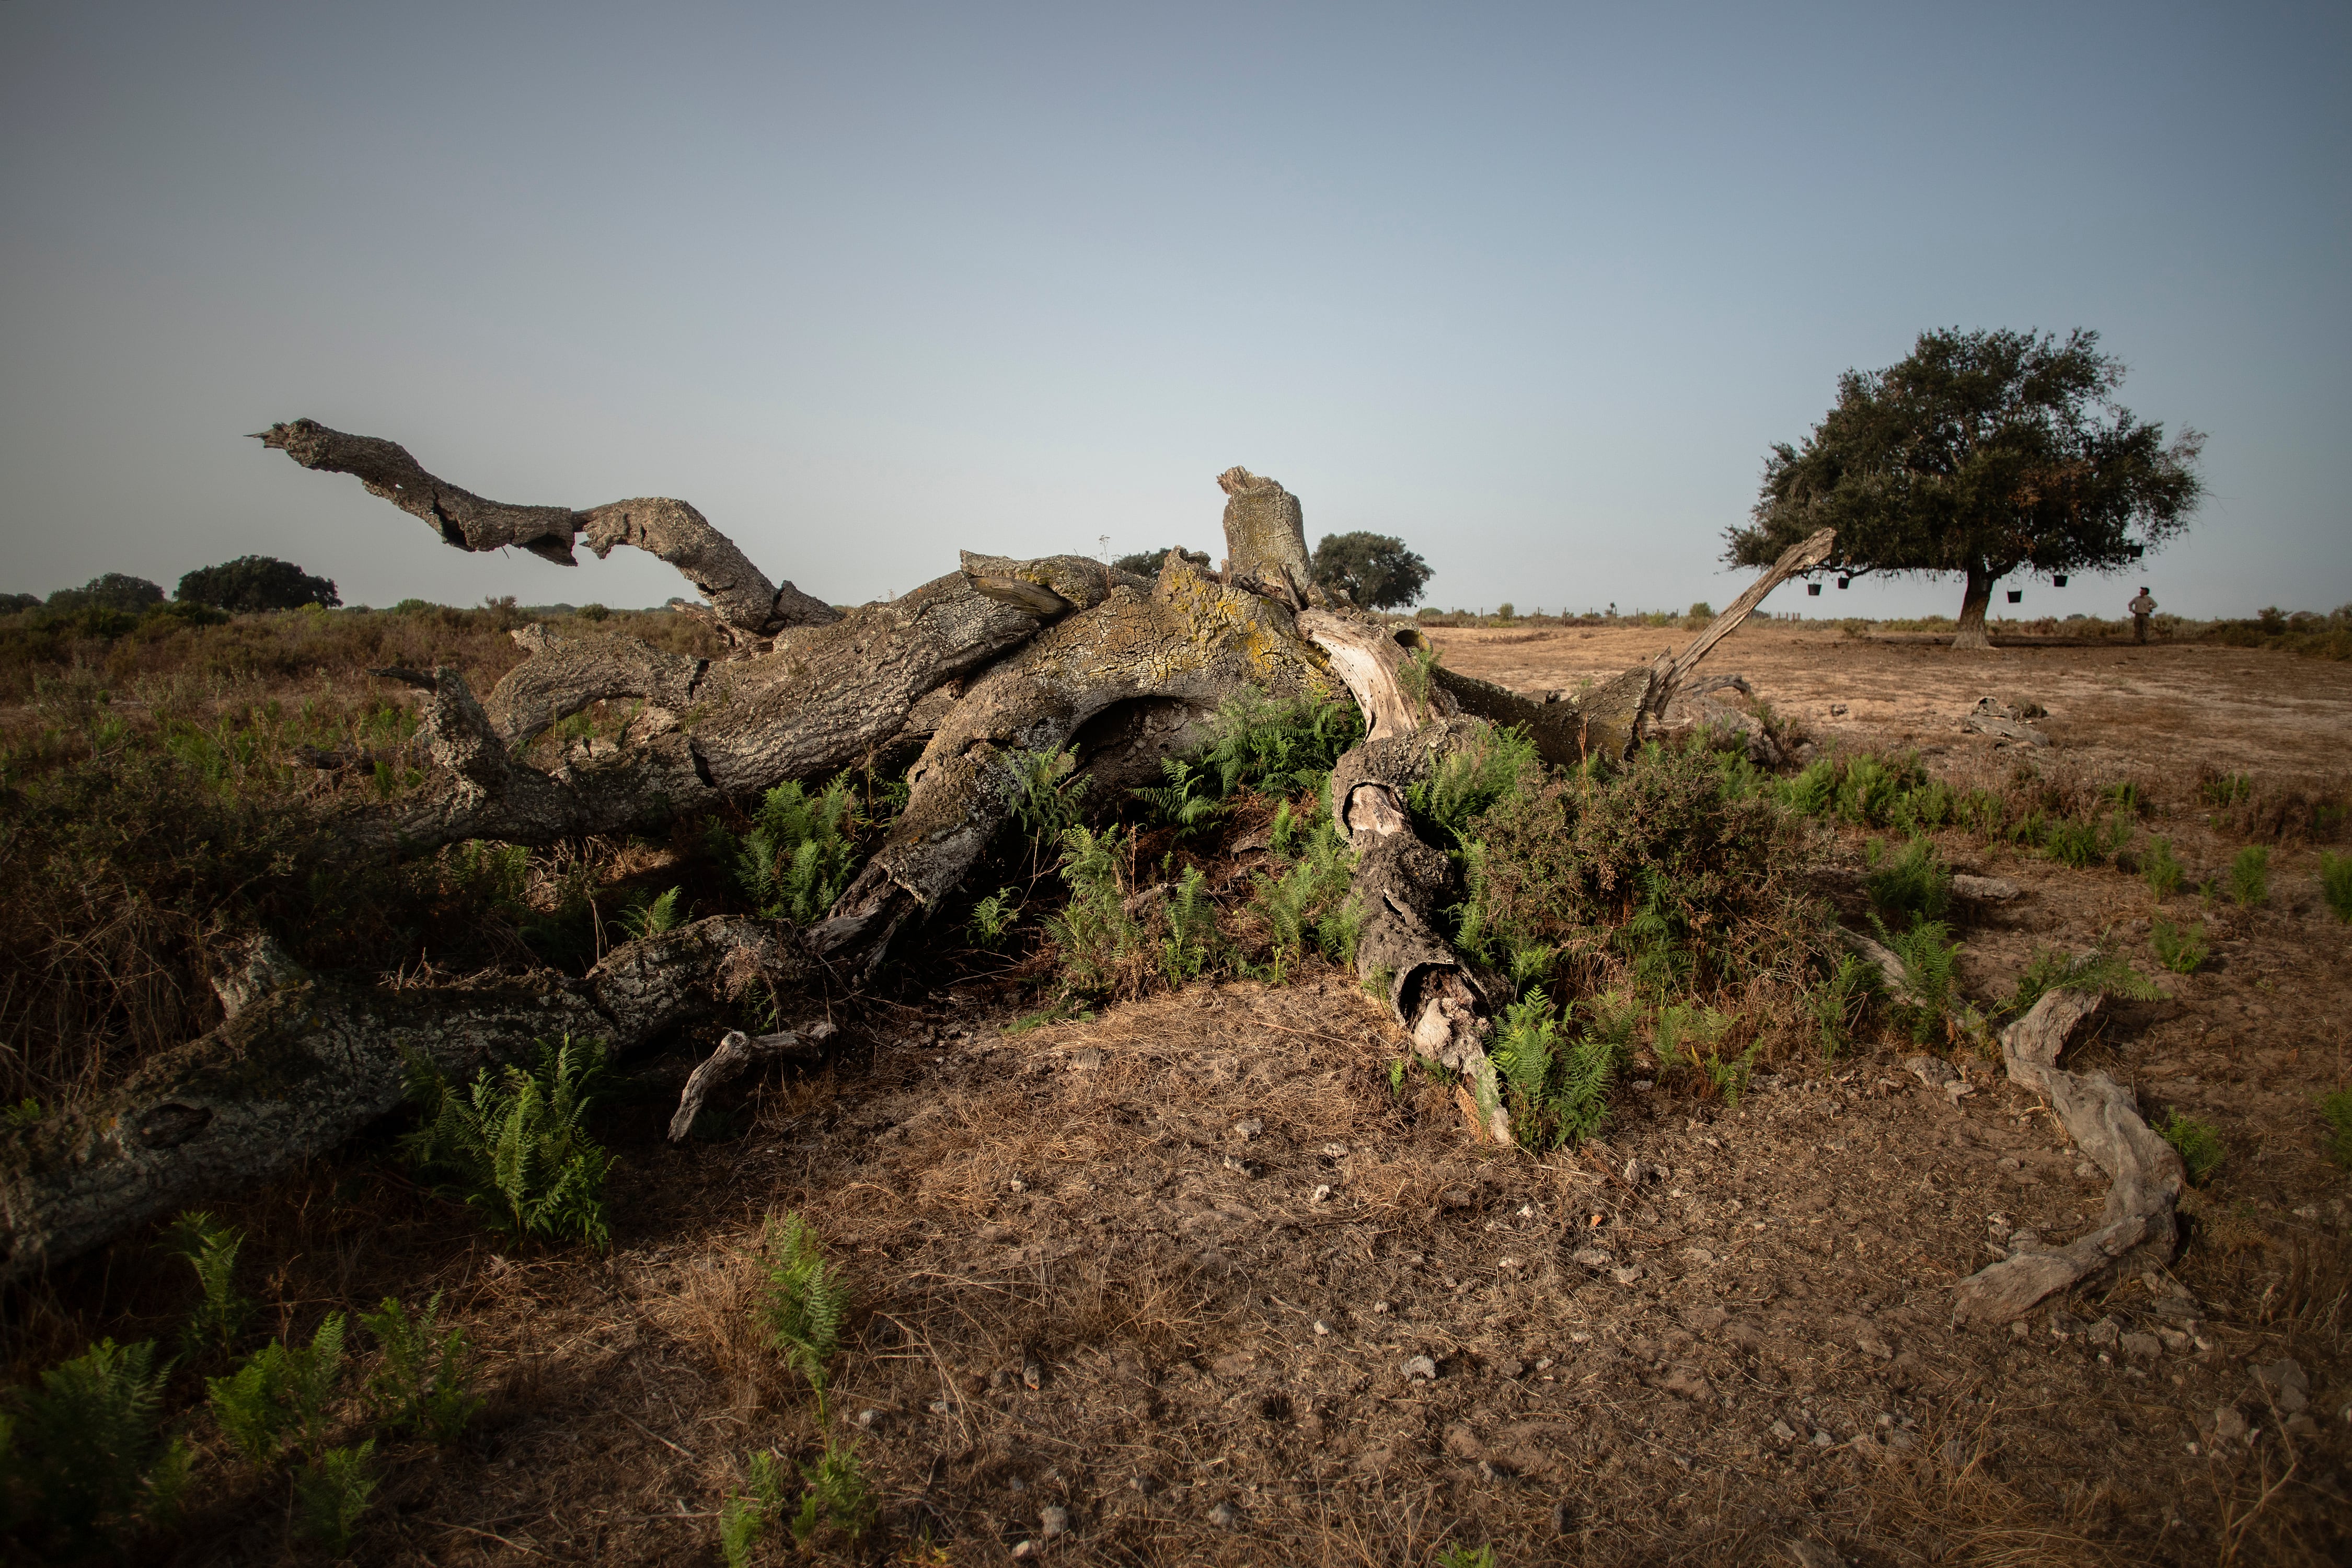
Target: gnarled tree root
<point>302,1062</point>
<point>2103,1117</point>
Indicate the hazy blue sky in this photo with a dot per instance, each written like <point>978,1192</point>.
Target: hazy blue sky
<point>1534,286</point>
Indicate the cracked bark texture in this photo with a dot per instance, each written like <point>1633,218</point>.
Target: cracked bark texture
<point>303,1061</point>
<point>739,593</point>
<point>1188,639</point>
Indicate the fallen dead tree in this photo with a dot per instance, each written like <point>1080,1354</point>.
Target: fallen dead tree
<point>997,659</point>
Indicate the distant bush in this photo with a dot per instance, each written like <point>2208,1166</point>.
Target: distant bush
<point>110,591</point>
<point>1147,562</point>
<point>252,583</point>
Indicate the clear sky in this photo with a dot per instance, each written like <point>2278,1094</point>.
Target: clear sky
<point>1533,287</point>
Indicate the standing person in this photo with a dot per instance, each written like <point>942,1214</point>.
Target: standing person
<point>2141,608</point>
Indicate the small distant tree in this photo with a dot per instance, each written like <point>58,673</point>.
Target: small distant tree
<point>252,583</point>
<point>110,591</point>
<point>11,604</point>
<point>1980,453</point>
<point>1375,570</point>
<point>1146,562</point>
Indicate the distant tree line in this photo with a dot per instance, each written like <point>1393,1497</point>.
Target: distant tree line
<point>242,586</point>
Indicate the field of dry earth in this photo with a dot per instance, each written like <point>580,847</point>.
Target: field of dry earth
<point>1190,1283</point>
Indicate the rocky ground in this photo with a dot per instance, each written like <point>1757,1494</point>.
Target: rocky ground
<point>1200,1280</point>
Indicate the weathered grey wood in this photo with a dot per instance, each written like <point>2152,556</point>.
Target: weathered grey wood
<point>737,591</point>
<point>2103,1117</point>
<point>736,1053</point>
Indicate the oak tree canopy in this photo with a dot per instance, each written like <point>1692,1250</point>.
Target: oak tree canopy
<point>1978,453</point>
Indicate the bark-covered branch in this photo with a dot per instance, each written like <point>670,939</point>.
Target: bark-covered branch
<point>738,592</point>
<point>304,1061</point>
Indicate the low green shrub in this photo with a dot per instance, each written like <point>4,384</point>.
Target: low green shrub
<point>993,916</point>
<point>1307,900</point>
<point>2249,876</point>
<point>1263,742</point>
<point>210,1249</point>
<point>93,1464</point>
<point>420,1385</point>
<point>800,852</point>
<point>2336,883</point>
<point>2160,870</point>
<point>651,917</point>
<point>2074,841</point>
<point>744,1516</point>
<point>1930,961</point>
<point>1558,1088</point>
<point>804,1303</point>
<point>333,1491</point>
<point>1045,793</point>
<point>279,1397</point>
<point>2180,951</point>
<point>2100,970</point>
<point>1912,885</point>
<point>516,1145</point>
<point>1837,1004</point>
<point>2198,1145</point>
<point>1185,802</point>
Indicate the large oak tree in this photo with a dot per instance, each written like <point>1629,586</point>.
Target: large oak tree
<point>1979,454</point>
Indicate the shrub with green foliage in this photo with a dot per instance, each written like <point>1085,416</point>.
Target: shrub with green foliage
<point>1307,900</point>
<point>333,1491</point>
<point>2099,971</point>
<point>2198,1145</point>
<point>1282,748</point>
<point>2249,876</point>
<point>420,1385</point>
<point>1931,968</point>
<point>1557,1088</point>
<point>2161,870</point>
<point>2336,883</point>
<point>1836,1004</point>
<point>83,1459</point>
<point>1912,886</point>
<point>804,1305</point>
<point>516,1145</point>
<point>1046,793</point>
<point>993,916</point>
<point>744,1516</point>
<point>2180,951</point>
<point>1184,802</point>
<point>1672,863</point>
<point>801,851</point>
<point>279,1397</point>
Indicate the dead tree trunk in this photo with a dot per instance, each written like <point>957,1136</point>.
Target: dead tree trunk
<point>998,657</point>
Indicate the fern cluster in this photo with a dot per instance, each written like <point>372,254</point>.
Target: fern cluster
<point>804,1305</point>
<point>516,1144</point>
<point>83,1454</point>
<point>801,851</point>
<point>1557,1087</point>
<point>2105,973</point>
<point>211,1249</point>
<point>421,1386</point>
